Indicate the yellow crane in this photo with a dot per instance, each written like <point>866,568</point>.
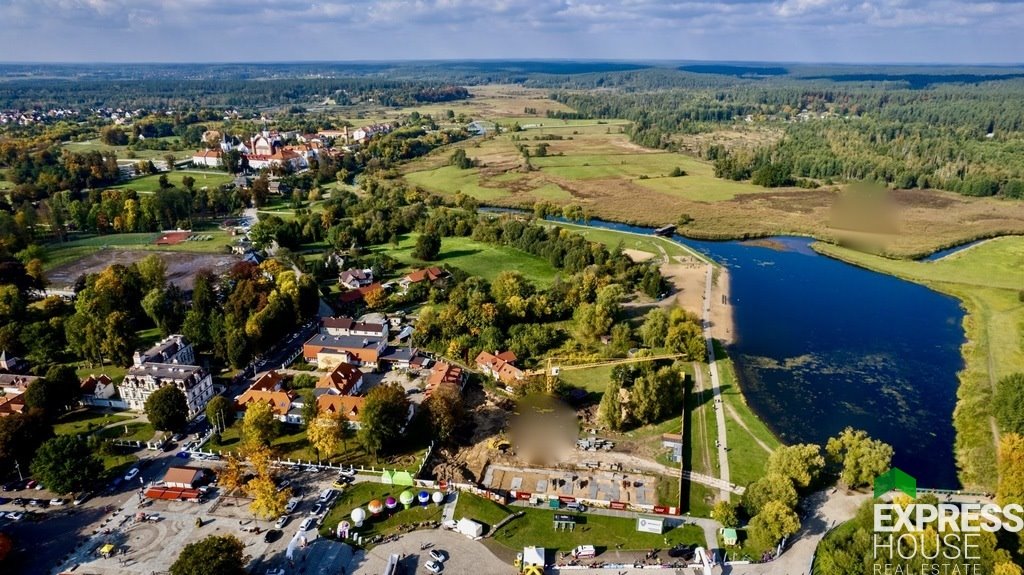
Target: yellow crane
<point>552,370</point>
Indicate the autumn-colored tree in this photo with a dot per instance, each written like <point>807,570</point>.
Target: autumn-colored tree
<point>802,463</point>
<point>376,298</point>
<point>862,458</point>
<point>259,426</point>
<point>445,409</point>
<point>267,501</point>
<point>774,522</point>
<point>725,513</point>
<point>325,433</point>
<point>1010,488</point>
<point>230,477</point>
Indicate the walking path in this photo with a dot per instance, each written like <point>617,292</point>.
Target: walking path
<point>705,447</point>
<point>736,417</point>
<point>716,390</point>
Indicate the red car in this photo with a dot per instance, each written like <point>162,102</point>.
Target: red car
<point>31,484</point>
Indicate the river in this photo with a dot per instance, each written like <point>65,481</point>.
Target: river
<point>821,345</point>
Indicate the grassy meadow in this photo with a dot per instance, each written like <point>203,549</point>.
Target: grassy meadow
<point>151,183</point>
<point>475,258</point>
<point>987,279</point>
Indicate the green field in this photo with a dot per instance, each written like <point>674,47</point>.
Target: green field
<point>645,243</point>
<point>476,258</point>
<point>988,280</point>
<point>601,531</point>
<point>360,494</point>
<point>122,151</point>
<point>484,511</point>
<point>58,254</point>
<point>134,431</point>
<point>746,456</point>
<point>151,183</point>
<point>85,420</point>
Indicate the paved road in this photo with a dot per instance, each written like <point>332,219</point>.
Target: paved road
<point>464,555</point>
<point>716,390</point>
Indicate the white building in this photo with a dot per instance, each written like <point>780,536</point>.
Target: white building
<point>172,349</point>
<point>143,380</point>
<point>207,158</point>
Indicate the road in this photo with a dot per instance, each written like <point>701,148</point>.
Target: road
<point>716,389</point>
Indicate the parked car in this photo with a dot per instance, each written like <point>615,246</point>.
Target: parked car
<point>292,504</point>
<point>15,515</point>
<point>272,535</point>
<point>282,521</point>
<point>438,555</point>
<point>177,437</point>
<point>317,509</point>
<point>57,501</point>
<point>15,485</point>
<point>434,567</point>
<point>311,469</point>
<point>326,495</point>
<point>83,497</point>
<point>18,501</point>
<point>38,502</point>
<point>132,474</point>
<point>574,506</point>
<point>284,485</point>
<point>307,524</point>
<point>39,487</point>
<point>31,484</point>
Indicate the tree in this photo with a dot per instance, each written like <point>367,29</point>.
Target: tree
<point>1010,488</point>
<point>444,406</point>
<point>52,396</point>
<point>65,464</point>
<point>383,418</point>
<point>610,410</point>
<point>802,463</point>
<point>119,338</point>
<point>862,458</point>
<point>215,555</point>
<point>1009,403</point>
<point>376,298</point>
<point>267,501</point>
<point>232,474</point>
<point>769,488</point>
<point>259,426</point>
<point>774,522</point>
<point>655,328</point>
<point>167,408</point>
<point>113,136</point>
<point>325,433</point>
<point>655,396</point>
<point>165,307</point>
<point>428,246</point>
<point>725,513</point>
<point>220,412</point>
<point>153,271</point>
<point>21,434</point>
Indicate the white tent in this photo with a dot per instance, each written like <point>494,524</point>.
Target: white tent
<point>469,528</point>
<point>533,556</point>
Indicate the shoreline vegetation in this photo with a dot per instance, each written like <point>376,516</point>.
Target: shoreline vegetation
<point>985,282</point>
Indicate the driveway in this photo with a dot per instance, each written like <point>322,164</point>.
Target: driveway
<point>464,555</point>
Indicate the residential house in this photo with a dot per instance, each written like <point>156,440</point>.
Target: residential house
<point>432,274</point>
<point>348,326</point>
<point>172,349</point>
<point>500,366</point>
<point>207,158</point>
<point>11,364</point>
<point>399,357</point>
<point>14,383</point>
<point>350,407</point>
<point>354,278</point>
<point>269,381</point>
<point>330,350</point>
<point>360,135</point>
<point>97,390</point>
<point>444,373</point>
<point>277,187</point>
<point>143,380</point>
<point>286,405</point>
<point>345,379</point>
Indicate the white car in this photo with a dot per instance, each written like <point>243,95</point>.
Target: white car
<point>292,504</point>
<point>15,515</point>
<point>434,567</point>
<point>57,501</point>
<point>437,556</point>
<point>282,521</point>
<point>83,497</point>
<point>307,524</point>
<point>132,474</point>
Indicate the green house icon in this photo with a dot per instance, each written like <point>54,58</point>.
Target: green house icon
<point>895,479</point>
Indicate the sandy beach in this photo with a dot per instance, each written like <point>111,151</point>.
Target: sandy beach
<point>687,276</point>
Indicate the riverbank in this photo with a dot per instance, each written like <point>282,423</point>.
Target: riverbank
<point>987,280</point>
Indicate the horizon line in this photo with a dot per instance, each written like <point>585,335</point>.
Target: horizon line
<point>647,61</point>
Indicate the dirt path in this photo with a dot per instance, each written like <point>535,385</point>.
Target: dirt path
<point>736,417</point>
<point>705,451</point>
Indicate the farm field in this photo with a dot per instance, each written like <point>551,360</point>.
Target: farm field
<point>987,279</point>
<point>475,258</point>
<point>151,183</point>
<point>594,165</point>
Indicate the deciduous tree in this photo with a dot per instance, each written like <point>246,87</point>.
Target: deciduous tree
<point>1009,403</point>
<point>167,408</point>
<point>774,522</point>
<point>383,418</point>
<point>772,487</point>
<point>65,464</point>
<point>325,433</point>
<point>445,409</point>
<point>259,425</point>
<point>215,555</point>
<point>802,463</point>
<point>267,501</point>
<point>1010,488</point>
<point>862,458</point>
<point>428,246</point>
<point>725,513</point>
<point>610,410</point>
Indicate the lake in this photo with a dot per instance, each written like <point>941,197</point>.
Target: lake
<point>821,345</point>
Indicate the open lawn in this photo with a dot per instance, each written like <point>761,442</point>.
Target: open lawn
<point>988,280</point>
<point>747,435</point>
<point>484,511</point>
<point>134,431</point>
<point>645,243</point>
<point>475,258</point>
<point>85,421</point>
<point>151,183</point>
<point>360,494</point>
<point>58,254</point>
<point>122,152</point>
<point>601,531</point>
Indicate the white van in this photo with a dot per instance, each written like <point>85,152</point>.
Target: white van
<point>584,552</point>
<point>326,495</point>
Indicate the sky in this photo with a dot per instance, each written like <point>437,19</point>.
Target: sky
<point>864,31</point>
